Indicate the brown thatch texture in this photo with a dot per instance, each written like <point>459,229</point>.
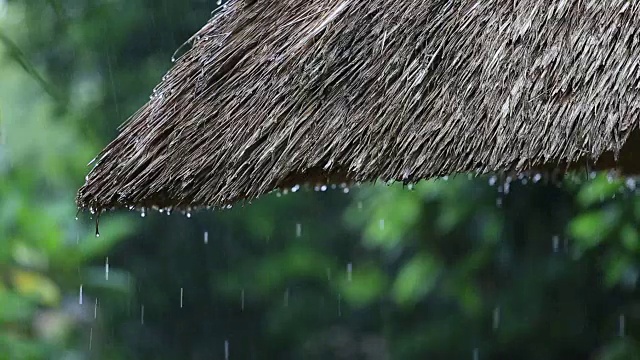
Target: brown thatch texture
<point>278,92</point>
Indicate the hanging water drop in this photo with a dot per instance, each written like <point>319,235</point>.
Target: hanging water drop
<point>323,188</point>
<point>493,180</point>
<point>295,188</point>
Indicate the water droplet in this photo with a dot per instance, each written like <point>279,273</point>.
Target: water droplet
<point>226,342</point>
<point>339,305</point>
<point>106,269</point>
<point>537,178</point>
<point>345,190</point>
<point>476,354</point>
<point>496,318</point>
<point>188,215</point>
<point>349,271</point>
<point>360,205</point>
<point>298,230</point>
<point>555,243</point>
<point>621,325</point>
<point>206,237</point>
<point>90,337</point>
<point>242,300</point>
<point>295,188</point>
<point>493,180</point>
<point>630,183</point>
<point>181,297</point>
<point>95,309</point>
<point>80,296</point>
<point>323,188</point>
<point>142,314</point>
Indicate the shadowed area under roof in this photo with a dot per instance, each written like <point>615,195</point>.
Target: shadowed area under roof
<point>275,93</point>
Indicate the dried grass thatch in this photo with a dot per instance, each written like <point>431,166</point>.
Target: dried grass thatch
<point>273,93</point>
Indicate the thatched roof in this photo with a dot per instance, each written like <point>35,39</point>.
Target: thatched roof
<point>274,93</point>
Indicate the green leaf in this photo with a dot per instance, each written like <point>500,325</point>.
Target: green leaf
<point>416,279</point>
<point>366,285</point>
<point>591,228</point>
<point>597,189</point>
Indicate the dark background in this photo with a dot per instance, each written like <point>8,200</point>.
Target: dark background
<point>453,269</point>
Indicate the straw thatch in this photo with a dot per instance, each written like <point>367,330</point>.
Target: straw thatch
<point>273,93</point>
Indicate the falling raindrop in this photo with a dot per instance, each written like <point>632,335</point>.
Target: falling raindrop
<point>181,297</point>
<point>360,205</point>
<point>142,314</point>
<point>286,297</point>
<point>298,230</point>
<point>496,318</point>
<point>555,243</point>
<point>226,342</point>
<point>339,305</point>
<point>621,325</point>
<point>349,271</point>
<point>381,224</point>
<point>242,300</point>
<point>328,274</point>
<point>206,237</point>
<point>476,354</point>
<point>90,337</point>
<point>80,296</point>
<point>106,269</point>
<point>95,309</point>
<point>143,212</point>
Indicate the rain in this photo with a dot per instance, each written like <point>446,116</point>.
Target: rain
<point>290,181</point>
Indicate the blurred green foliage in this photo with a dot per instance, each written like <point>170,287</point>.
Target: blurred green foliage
<point>452,268</point>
